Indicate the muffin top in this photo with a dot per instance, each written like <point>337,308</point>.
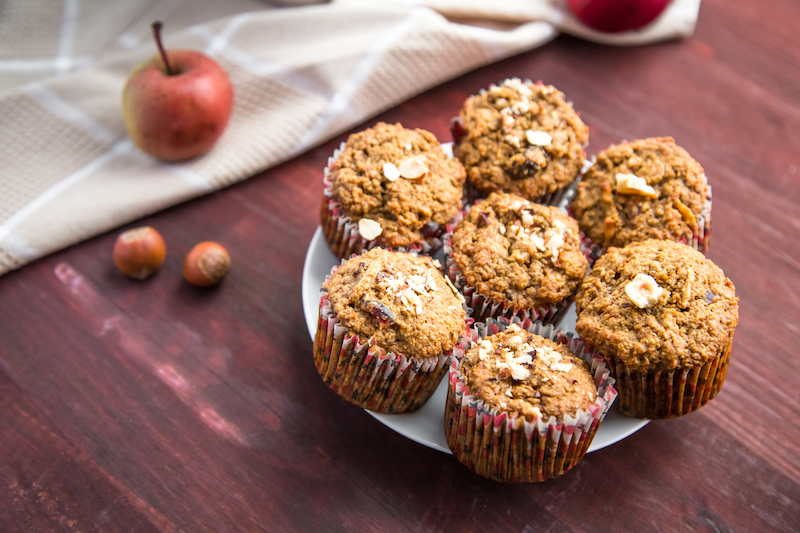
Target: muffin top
<point>398,179</point>
<point>516,251</point>
<point>650,188</point>
<point>520,372</point>
<point>520,137</point>
<point>657,305</point>
<point>400,299</point>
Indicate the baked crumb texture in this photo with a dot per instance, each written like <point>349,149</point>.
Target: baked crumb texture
<point>391,187</point>
<point>515,258</point>
<point>520,137</point>
<point>644,189</point>
<point>388,324</point>
<point>523,405</point>
<point>663,316</point>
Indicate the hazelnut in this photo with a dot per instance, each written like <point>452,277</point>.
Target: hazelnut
<point>369,229</point>
<point>206,264</point>
<point>413,167</point>
<point>538,138</point>
<point>139,252</point>
<point>643,291</point>
<point>390,171</point>
<point>631,184</point>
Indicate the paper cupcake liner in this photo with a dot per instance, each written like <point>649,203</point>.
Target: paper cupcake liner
<point>481,307</point>
<point>699,239</point>
<point>508,448</point>
<point>553,198</point>
<point>341,232</point>
<point>660,394</point>
<point>369,376</point>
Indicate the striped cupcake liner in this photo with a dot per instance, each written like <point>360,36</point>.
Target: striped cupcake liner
<point>660,394</point>
<point>509,448</point>
<point>367,375</point>
<point>555,198</point>
<point>341,232</point>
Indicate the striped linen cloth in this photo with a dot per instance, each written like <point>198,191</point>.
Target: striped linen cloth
<point>301,74</point>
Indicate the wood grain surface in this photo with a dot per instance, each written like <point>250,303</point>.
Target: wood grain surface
<point>158,406</point>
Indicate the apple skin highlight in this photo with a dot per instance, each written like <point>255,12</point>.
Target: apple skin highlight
<point>180,116</point>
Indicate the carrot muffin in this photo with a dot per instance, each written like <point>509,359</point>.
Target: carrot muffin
<point>388,323</point>
<point>645,189</point>
<point>522,407</point>
<point>512,257</point>
<point>392,187</point>
<point>663,316</point>
<point>522,138</point>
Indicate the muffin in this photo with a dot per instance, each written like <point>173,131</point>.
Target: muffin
<point>522,407</point>
<point>388,323</point>
<point>512,257</point>
<point>522,138</point>
<point>391,187</point>
<point>645,189</point>
<point>663,316</point>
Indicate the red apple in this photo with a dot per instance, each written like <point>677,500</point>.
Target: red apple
<point>177,104</point>
<point>613,16</point>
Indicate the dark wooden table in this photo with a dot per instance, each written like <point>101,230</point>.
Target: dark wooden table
<point>156,406</point>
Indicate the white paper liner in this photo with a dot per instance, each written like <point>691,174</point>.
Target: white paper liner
<point>508,448</point>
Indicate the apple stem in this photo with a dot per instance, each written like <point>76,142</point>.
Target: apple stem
<point>157,36</point>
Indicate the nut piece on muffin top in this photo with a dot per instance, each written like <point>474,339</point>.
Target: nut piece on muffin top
<point>397,184</point>
<point>520,372</point>
<point>518,252</point>
<point>649,188</point>
<point>401,299</point>
<point>520,137</point>
<point>657,305</point>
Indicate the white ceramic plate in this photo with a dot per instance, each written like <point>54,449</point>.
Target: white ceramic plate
<point>426,425</point>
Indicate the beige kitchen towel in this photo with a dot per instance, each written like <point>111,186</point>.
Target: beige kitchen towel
<point>301,75</point>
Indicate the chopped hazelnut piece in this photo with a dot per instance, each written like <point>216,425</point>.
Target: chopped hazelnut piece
<point>527,218</point>
<point>390,171</point>
<point>369,229</point>
<point>630,184</point>
<point>643,291</point>
<point>538,138</point>
<point>512,140</point>
<point>413,167</point>
<point>507,118</point>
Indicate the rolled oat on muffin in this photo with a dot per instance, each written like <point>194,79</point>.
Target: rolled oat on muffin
<point>663,316</point>
<point>391,187</point>
<point>520,137</point>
